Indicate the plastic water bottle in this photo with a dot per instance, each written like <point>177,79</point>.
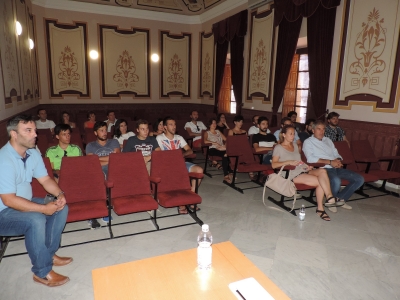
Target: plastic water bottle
<point>302,213</point>
<point>204,250</point>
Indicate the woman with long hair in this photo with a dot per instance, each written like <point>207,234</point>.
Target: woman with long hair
<point>237,130</point>
<point>287,153</point>
<point>158,128</point>
<point>91,120</point>
<point>217,148</point>
<point>65,119</point>
<point>121,132</point>
<point>221,123</point>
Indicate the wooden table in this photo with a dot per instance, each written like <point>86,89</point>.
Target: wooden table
<point>175,276</point>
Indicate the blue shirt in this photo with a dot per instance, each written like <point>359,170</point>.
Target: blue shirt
<point>315,149</point>
<point>16,173</point>
<point>276,134</point>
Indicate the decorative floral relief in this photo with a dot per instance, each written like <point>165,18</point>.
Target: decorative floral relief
<point>207,73</point>
<point>9,54</point>
<point>175,70</point>
<point>68,65</point>
<point>126,69</point>
<point>259,74</point>
<point>370,44</point>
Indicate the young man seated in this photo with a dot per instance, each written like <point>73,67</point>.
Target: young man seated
<point>194,128</point>
<point>142,142</point>
<point>171,141</point>
<point>263,141</point>
<point>64,148</point>
<point>43,123</point>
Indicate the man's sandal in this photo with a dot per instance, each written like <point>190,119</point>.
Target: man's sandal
<point>323,215</point>
<point>338,202</point>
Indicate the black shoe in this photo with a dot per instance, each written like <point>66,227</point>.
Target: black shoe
<point>94,224</point>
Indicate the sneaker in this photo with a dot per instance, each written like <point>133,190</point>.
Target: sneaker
<point>150,212</point>
<point>94,224</point>
<point>333,209</point>
<point>106,219</point>
<point>346,206</point>
<point>298,196</point>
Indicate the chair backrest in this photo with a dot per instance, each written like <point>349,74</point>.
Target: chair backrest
<point>42,143</point>
<point>82,179</point>
<point>76,139</point>
<point>46,133</point>
<point>89,135</point>
<point>239,144</point>
<point>345,152</point>
<point>129,174</point>
<point>362,150</point>
<point>37,188</point>
<point>170,166</point>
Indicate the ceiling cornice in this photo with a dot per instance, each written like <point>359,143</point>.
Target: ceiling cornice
<point>140,13</point>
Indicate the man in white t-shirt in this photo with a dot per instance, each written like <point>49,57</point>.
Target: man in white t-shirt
<point>254,129</point>
<point>43,123</point>
<point>111,120</point>
<point>171,141</point>
<point>194,128</point>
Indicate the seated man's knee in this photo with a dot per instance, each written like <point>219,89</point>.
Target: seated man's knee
<point>196,169</point>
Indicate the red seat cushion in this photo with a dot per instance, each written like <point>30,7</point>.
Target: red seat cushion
<point>178,197</point>
<point>129,204</point>
<point>384,175</point>
<point>86,210</point>
<point>253,167</point>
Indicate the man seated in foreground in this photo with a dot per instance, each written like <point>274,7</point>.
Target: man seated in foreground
<point>264,141</point>
<point>171,141</point>
<point>64,148</point>
<point>20,214</point>
<point>320,149</point>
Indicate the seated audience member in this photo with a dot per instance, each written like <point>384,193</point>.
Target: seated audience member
<point>110,120</point>
<point>320,149</point>
<point>194,128</point>
<point>292,115</point>
<point>64,148</point>
<point>221,123</point>
<point>287,121</point>
<point>43,123</point>
<point>288,153</point>
<point>333,131</point>
<point>237,130</point>
<point>254,129</point>
<point>121,132</point>
<point>65,120</point>
<point>91,120</point>
<point>142,142</point>
<point>41,223</point>
<point>171,141</point>
<point>264,141</point>
<point>217,139</point>
<point>307,130</point>
<point>158,128</point>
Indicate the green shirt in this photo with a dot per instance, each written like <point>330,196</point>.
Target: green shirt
<point>56,153</point>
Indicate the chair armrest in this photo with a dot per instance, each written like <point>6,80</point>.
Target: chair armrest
<point>261,152</point>
<point>234,155</point>
<point>155,179</point>
<point>205,144</point>
<point>318,165</point>
<point>192,156</point>
<point>196,175</point>
<point>108,183</point>
<point>388,158</point>
<point>287,168</point>
<point>366,160</point>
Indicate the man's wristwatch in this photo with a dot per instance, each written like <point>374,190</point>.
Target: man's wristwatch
<point>60,193</point>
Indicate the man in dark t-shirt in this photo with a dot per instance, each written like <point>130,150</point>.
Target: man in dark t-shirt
<point>142,142</point>
<point>264,141</point>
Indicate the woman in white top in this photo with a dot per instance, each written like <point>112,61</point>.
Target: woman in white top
<point>287,153</point>
<point>121,132</point>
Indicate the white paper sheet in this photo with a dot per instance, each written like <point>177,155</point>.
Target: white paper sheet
<point>250,289</point>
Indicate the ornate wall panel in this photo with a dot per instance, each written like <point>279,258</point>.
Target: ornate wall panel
<point>67,59</point>
<point>125,65</point>
<point>8,53</point>
<point>175,65</point>
<point>261,55</point>
<point>207,64</point>
<point>370,56</point>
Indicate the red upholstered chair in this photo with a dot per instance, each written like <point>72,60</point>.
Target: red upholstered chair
<point>89,135</point>
<point>82,180</point>
<point>242,160</point>
<point>42,143</point>
<point>174,189</point>
<point>364,154</point>
<point>129,185</point>
<point>110,134</point>
<point>46,133</point>
<point>37,188</point>
<point>76,139</point>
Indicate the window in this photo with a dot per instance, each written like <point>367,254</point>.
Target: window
<point>297,87</point>
<point>233,101</point>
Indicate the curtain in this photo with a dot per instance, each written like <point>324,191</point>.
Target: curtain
<point>220,60</point>
<point>287,42</point>
<point>320,30</point>
<point>237,62</point>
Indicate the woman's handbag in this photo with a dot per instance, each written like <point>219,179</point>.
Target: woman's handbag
<point>281,185</point>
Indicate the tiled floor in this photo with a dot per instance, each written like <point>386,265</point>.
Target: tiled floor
<point>355,256</point>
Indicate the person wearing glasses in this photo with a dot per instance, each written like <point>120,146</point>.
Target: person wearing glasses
<point>333,131</point>
<point>194,128</point>
<point>64,148</point>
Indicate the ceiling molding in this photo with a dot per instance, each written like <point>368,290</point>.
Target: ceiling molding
<point>69,5</point>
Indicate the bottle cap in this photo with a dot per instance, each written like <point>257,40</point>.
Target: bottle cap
<point>205,227</point>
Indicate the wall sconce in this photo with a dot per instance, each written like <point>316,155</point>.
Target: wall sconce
<point>94,54</point>
<point>31,44</point>
<point>18,28</point>
<point>155,57</point>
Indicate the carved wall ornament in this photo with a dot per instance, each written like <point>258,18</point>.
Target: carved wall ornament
<point>259,75</point>
<point>68,65</point>
<point>126,69</point>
